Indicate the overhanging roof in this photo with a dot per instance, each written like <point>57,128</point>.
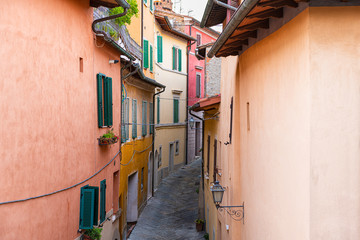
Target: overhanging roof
<point>255,16</point>
<point>104,3</point>
<point>207,104</point>
<point>214,14</point>
<point>166,25</point>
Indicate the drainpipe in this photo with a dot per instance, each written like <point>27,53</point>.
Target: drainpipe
<point>224,5</point>
<point>124,5</point>
<point>153,146</point>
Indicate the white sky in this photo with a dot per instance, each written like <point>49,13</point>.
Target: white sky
<point>197,7</point>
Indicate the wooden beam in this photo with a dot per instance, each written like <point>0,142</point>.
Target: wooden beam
<point>245,35</point>
<point>278,3</point>
<point>240,42</point>
<point>277,13</point>
<point>255,25</point>
<point>231,48</point>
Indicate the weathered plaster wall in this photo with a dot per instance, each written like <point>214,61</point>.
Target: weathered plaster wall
<point>335,123</point>
<point>213,76</point>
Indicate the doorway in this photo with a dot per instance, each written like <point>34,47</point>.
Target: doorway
<point>171,156</point>
<point>150,175</point>
<point>132,198</point>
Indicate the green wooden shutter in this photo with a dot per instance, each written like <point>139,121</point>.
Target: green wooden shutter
<point>99,81</point>
<point>174,58</point>
<point>151,5</point>
<point>179,62</point>
<point>123,134</point>
<point>151,59</point>
<point>88,210</point>
<point>127,118</point>
<point>108,111</point>
<point>158,110</point>
<point>145,1</point>
<point>159,49</point>
<point>146,54</point>
<point>134,118</point>
<point>151,118</point>
<point>102,200</point>
<point>176,110</point>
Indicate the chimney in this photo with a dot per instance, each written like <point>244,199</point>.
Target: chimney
<point>165,5</point>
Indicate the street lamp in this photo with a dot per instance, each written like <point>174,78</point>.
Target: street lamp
<point>191,122</point>
<point>218,192</point>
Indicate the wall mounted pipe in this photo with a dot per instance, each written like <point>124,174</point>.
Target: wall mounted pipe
<point>124,5</point>
<point>225,5</point>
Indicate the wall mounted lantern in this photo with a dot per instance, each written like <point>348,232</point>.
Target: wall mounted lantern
<point>192,123</point>
<point>236,212</point>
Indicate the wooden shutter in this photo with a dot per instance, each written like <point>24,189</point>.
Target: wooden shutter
<point>179,62</point>
<point>151,59</point>
<point>89,200</point>
<point>151,5</point>
<point>215,159</point>
<point>144,118</point>
<point>123,134</point>
<point>174,58</point>
<point>158,110</point>
<point>102,200</point>
<point>176,110</point>
<point>146,54</point>
<point>198,85</point>
<point>108,115</point>
<point>208,155</point>
<point>99,81</point>
<point>127,118</point>
<point>159,49</point>
<point>134,118</point>
<point>145,1</point>
<point>151,118</point>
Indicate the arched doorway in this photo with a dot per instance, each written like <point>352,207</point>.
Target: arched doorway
<point>150,174</point>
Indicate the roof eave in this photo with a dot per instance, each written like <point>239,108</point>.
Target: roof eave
<point>207,12</point>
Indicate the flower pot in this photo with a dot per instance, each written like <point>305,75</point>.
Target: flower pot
<point>107,141</point>
<point>86,237</point>
<point>199,227</point>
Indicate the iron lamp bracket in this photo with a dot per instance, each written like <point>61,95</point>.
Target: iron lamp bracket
<point>236,212</point>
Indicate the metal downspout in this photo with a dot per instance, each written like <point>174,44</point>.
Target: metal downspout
<point>224,5</point>
<point>153,146</point>
<point>122,4</point>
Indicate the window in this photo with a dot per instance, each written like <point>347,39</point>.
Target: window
<point>159,49</point>
<point>158,110</point>
<point>89,202</point>
<point>125,120</point>
<point>144,118</point>
<point>134,118</point>
<point>146,54</point>
<point>176,110</point>
<point>198,85</point>
<point>151,118</point>
<point>102,200</point>
<point>151,59</point>
<point>104,97</point>
<point>177,147</point>
<point>215,159</point>
<point>151,5</point>
<point>198,39</point>
<point>177,59</point>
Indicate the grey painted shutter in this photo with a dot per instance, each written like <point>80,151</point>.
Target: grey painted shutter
<point>134,118</point>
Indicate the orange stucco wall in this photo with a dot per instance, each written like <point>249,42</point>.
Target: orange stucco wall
<point>49,116</point>
<point>297,166</point>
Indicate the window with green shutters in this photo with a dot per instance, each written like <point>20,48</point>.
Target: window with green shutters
<point>89,202</point>
<point>159,49</point>
<point>104,100</point>
<point>145,1</point>
<point>151,5</point>
<point>102,200</point>
<point>144,118</point>
<point>177,59</point>
<point>151,59</point>
<point>158,111</point>
<point>146,54</point>
<point>151,118</point>
<point>176,110</point>
<point>134,118</point>
<point>125,120</point>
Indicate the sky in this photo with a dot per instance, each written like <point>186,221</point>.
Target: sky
<point>197,7</point>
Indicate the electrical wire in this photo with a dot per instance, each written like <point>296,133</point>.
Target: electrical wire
<point>135,151</point>
<point>64,189</point>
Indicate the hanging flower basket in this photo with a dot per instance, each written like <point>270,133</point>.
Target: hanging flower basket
<point>108,138</point>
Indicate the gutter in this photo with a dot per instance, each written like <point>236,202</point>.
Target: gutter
<point>225,5</point>
<point>239,16</point>
<point>124,5</point>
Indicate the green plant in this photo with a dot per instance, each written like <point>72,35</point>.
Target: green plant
<point>132,11</point>
<point>206,236</point>
<point>199,221</point>
<point>109,134</point>
<point>94,233</point>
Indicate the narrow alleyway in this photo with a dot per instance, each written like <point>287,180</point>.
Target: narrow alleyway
<point>171,213</point>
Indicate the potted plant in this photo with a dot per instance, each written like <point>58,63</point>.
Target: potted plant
<point>108,138</point>
<point>199,225</point>
<point>92,234</point>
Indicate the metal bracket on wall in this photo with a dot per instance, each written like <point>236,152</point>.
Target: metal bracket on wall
<point>236,212</point>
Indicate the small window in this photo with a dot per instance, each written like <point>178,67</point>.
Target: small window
<point>104,97</point>
<point>198,39</point>
<point>177,147</point>
<point>198,85</point>
<point>177,59</point>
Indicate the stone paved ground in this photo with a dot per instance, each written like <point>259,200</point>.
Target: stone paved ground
<point>171,213</point>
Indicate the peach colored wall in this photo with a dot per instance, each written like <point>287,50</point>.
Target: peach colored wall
<point>335,123</point>
<point>49,116</point>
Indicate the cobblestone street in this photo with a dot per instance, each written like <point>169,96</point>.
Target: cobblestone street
<point>171,213</point>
